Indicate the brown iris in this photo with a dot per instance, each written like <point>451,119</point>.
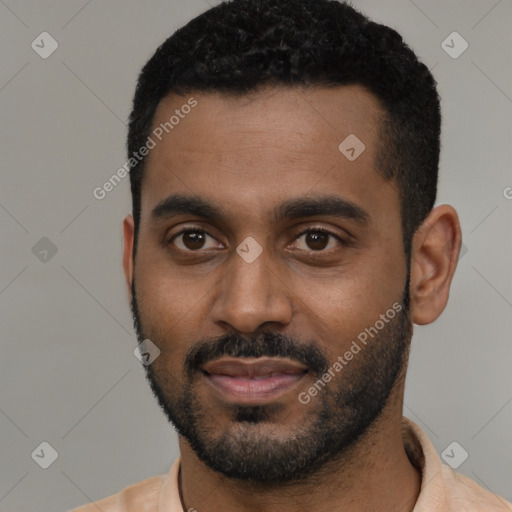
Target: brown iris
<point>317,240</point>
<point>193,240</point>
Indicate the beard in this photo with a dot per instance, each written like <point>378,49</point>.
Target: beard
<point>250,447</point>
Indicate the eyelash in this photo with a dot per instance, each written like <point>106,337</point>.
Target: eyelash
<point>193,229</point>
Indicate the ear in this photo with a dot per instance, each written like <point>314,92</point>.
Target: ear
<point>128,234</point>
<point>434,256</point>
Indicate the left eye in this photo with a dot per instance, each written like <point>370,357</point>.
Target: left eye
<point>318,240</point>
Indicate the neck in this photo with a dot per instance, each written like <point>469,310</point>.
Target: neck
<point>374,474</point>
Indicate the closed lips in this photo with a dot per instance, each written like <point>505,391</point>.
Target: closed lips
<point>253,368</point>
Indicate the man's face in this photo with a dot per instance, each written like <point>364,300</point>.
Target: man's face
<point>252,306</point>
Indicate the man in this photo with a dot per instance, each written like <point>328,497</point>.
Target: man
<point>283,242</point>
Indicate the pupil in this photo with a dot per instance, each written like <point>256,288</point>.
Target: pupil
<point>193,240</point>
<point>316,240</point>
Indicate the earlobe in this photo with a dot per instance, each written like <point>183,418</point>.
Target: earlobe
<point>434,256</point>
<point>128,235</point>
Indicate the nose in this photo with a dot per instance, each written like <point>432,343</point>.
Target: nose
<point>251,295</point>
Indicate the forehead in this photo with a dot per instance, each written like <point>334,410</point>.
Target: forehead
<point>266,147</point>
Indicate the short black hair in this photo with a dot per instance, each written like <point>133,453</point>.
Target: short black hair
<point>239,46</point>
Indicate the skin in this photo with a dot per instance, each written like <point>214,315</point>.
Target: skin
<point>247,156</point>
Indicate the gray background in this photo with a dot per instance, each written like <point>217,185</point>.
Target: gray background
<point>68,373</point>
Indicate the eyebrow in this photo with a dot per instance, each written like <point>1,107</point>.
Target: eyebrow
<point>329,205</point>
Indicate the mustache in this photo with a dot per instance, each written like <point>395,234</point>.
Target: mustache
<point>264,345</point>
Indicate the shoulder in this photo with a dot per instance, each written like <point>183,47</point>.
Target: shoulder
<point>463,493</point>
<point>443,489</point>
<point>143,496</point>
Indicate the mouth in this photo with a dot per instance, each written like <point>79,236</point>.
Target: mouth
<point>251,381</point>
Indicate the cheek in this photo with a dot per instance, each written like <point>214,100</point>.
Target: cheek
<point>171,312</point>
<point>338,309</point>
<point>334,317</point>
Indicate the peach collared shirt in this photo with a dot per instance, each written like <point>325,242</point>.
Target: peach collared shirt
<point>442,489</point>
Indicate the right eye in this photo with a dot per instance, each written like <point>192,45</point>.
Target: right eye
<point>193,240</point>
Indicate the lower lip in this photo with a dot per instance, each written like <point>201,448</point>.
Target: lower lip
<point>250,391</point>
